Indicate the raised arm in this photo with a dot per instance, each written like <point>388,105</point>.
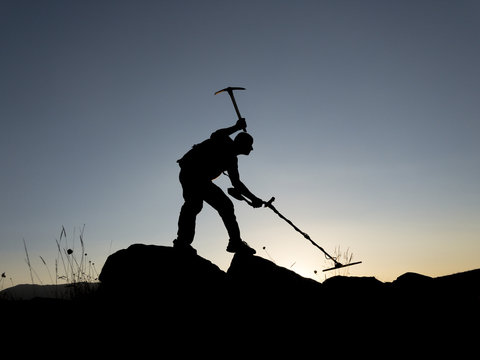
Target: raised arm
<point>239,125</point>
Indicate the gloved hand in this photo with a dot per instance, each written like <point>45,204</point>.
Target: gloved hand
<point>256,202</point>
<point>241,123</point>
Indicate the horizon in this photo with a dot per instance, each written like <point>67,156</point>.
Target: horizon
<point>86,279</point>
<point>364,117</point>
<point>42,272</point>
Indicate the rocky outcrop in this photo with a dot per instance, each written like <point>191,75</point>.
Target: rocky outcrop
<point>156,292</point>
<point>164,275</point>
<point>159,274</point>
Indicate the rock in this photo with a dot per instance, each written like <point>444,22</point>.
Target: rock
<point>159,273</point>
<point>164,280</point>
<point>253,273</point>
<point>270,289</point>
<point>464,285</point>
<point>412,281</point>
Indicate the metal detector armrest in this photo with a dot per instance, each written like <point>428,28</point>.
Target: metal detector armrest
<point>236,194</point>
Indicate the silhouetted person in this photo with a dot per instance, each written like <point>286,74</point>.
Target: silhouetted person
<point>204,163</point>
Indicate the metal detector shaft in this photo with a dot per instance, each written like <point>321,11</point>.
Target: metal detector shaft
<point>305,235</point>
<point>337,265</point>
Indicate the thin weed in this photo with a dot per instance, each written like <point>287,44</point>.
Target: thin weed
<point>73,267</point>
<point>344,257</point>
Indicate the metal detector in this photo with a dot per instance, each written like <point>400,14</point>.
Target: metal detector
<point>337,265</point>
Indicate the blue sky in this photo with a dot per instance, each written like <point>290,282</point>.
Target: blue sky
<point>364,113</point>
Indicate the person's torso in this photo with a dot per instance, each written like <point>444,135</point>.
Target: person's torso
<point>210,158</point>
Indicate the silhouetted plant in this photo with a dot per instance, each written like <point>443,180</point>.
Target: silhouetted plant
<point>78,274</point>
<point>342,257</point>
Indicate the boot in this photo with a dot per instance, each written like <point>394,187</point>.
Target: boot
<point>240,247</point>
<point>184,247</point>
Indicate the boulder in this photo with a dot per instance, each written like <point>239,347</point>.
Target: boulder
<point>254,274</point>
<point>159,273</point>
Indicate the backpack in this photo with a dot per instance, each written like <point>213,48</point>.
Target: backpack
<point>210,157</point>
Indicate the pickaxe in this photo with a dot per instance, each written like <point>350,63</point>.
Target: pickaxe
<point>230,92</point>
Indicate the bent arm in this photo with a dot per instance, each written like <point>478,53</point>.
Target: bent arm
<point>240,186</point>
<point>239,125</point>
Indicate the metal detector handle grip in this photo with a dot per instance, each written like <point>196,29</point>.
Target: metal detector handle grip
<point>269,202</point>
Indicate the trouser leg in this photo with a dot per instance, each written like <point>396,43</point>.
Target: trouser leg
<point>192,206</point>
<point>187,220</point>
<point>215,197</point>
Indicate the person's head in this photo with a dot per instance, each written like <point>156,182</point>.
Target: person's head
<point>243,143</point>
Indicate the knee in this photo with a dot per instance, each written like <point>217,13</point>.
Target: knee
<point>192,207</point>
<point>227,209</point>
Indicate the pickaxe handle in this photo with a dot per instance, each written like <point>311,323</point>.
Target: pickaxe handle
<point>230,92</point>
<point>235,104</point>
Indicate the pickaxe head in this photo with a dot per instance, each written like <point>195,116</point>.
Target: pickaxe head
<point>230,89</point>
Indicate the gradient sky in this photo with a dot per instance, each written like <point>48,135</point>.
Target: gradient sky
<point>365,116</point>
